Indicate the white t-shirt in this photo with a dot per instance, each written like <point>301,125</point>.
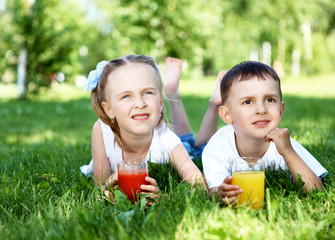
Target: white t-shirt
<point>221,150</point>
<point>163,142</point>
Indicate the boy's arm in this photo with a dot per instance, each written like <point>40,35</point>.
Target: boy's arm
<point>281,137</point>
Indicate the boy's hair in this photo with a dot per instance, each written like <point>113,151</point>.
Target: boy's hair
<point>99,94</point>
<point>245,71</point>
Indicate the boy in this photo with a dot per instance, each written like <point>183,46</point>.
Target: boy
<point>252,107</point>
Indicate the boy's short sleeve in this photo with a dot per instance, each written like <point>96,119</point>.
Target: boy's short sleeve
<point>217,155</point>
<point>309,159</point>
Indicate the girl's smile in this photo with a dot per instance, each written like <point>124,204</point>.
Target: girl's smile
<point>134,100</point>
<point>141,117</point>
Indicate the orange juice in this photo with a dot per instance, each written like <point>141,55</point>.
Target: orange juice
<point>252,183</point>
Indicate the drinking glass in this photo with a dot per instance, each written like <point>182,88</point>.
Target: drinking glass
<point>248,174</point>
<point>131,175</point>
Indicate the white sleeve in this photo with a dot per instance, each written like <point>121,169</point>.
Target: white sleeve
<point>215,161</point>
<point>169,139</point>
<point>309,159</point>
<point>163,142</point>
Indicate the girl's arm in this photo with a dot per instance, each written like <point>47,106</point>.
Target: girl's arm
<point>187,170</point>
<point>101,165</point>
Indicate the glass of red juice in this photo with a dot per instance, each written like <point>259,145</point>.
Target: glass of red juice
<point>131,175</point>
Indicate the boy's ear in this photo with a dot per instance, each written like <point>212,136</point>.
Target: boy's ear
<point>225,114</point>
<point>107,110</point>
<point>282,108</point>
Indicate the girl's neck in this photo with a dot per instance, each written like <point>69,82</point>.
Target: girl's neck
<point>140,147</point>
<point>251,147</point>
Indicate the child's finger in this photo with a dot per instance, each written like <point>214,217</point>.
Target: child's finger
<point>230,194</point>
<point>229,201</point>
<point>150,180</point>
<point>228,180</point>
<point>151,195</point>
<point>227,187</point>
<point>112,180</point>
<point>149,188</point>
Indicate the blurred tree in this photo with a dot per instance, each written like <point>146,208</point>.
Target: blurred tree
<point>51,35</point>
<point>211,35</point>
<point>158,28</point>
<point>217,34</point>
<point>248,24</point>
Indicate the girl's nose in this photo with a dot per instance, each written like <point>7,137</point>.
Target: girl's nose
<point>140,103</point>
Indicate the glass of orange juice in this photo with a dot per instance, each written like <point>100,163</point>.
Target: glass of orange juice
<point>131,175</point>
<point>248,174</point>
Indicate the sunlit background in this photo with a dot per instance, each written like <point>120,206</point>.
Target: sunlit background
<point>46,41</point>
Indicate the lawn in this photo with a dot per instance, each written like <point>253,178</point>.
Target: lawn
<point>43,195</point>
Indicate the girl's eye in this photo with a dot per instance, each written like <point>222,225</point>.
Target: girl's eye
<point>148,93</point>
<point>247,102</point>
<point>125,96</point>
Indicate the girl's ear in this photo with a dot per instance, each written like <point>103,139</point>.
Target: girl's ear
<point>107,110</point>
<point>225,114</point>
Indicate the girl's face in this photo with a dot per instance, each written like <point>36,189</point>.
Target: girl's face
<point>253,108</point>
<point>133,98</point>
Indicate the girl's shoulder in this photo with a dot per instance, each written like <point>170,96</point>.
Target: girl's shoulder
<point>105,128</point>
<point>164,135</point>
<point>163,131</point>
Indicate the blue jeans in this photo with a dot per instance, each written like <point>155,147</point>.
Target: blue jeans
<point>188,141</point>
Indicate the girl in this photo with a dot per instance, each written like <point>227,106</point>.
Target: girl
<point>127,98</point>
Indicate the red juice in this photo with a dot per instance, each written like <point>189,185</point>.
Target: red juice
<point>130,182</point>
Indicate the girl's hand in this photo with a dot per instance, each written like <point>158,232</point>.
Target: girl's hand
<point>112,181</point>
<point>151,191</point>
<point>228,193</point>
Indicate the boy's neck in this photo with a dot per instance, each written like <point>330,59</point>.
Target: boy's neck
<point>251,147</point>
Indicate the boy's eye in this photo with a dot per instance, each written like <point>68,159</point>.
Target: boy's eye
<point>271,100</point>
<point>247,102</point>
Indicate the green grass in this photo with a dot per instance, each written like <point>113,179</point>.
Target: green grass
<point>43,195</point>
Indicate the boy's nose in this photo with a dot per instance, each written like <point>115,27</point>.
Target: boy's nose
<point>261,108</point>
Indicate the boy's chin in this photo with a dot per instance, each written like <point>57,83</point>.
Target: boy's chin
<point>261,138</point>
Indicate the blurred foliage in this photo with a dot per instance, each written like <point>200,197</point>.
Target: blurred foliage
<point>72,36</point>
<point>49,31</point>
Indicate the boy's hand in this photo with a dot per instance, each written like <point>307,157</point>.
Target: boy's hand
<point>151,191</point>
<point>228,193</point>
<point>281,137</point>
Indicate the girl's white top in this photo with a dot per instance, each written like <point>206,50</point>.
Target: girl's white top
<point>163,142</point>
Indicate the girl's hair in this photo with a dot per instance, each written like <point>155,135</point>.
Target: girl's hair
<point>99,94</point>
<point>245,71</point>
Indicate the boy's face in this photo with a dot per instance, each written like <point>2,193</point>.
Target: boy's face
<point>253,108</point>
